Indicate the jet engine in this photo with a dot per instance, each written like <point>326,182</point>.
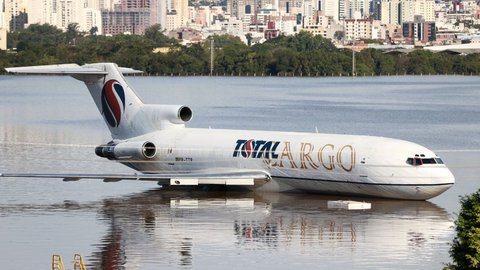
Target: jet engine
<point>134,150</point>
<point>175,114</point>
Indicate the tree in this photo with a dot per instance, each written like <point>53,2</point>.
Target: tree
<point>72,32</point>
<point>155,34</point>
<point>93,31</point>
<point>37,38</point>
<point>249,39</point>
<point>465,250</point>
<point>339,35</point>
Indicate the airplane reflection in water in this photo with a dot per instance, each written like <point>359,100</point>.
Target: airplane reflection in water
<point>211,229</point>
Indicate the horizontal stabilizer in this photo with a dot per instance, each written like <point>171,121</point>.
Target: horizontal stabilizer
<point>68,69</point>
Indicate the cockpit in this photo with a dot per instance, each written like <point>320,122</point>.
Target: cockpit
<point>420,159</point>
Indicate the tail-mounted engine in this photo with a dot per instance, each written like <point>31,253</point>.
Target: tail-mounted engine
<point>134,150</point>
<point>159,117</point>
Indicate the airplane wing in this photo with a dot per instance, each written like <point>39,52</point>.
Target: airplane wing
<point>242,178</point>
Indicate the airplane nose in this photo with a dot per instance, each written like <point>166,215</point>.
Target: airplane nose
<point>442,176</point>
<point>449,177</point>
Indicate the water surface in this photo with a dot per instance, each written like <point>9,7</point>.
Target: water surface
<point>50,124</point>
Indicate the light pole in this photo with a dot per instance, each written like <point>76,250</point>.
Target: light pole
<point>353,48</point>
<point>211,55</point>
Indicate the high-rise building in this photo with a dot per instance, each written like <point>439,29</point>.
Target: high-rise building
<point>406,10</point>
<point>376,9</point>
<point>342,9</point>
<point>61,13</point>
<point>357,7</point>
<point>42,11</point>
<point>15,14</point>
<point>134,5</point>
<point>177,14</point>
<point>132,16</point>
<point>108,4</point>
<point>355,29</point>
<point>290,7</point>
<point>425,8</point>
<point>68,11</point>
<point>158,12</point>
<point>239,8</point>
<point>331,9</point>
<point>3,39</point>
<point>419,30</point>
<point>399,11</point>
<point>3,24</point>
<point>391,10</point>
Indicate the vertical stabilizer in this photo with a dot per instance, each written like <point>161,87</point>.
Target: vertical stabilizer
<point>124,113</point>
<point>115,99</point>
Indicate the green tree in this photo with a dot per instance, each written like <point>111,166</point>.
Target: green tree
<point>38,38</point>
<point>155,35</point>
<point>339,35</point>
<point>419,62</point>
<point>72,32</point>
<point>249,38</point>
<point>465,250</point>
<point>302,53</point>
<point>93,31</point>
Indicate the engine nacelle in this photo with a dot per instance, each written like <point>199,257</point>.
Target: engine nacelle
<point>174,114</point>
<point>134,150</point>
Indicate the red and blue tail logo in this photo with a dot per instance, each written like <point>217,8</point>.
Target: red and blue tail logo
<point>113,102</point>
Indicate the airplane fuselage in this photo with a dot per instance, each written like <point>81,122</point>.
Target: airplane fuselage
<point>327,163</point>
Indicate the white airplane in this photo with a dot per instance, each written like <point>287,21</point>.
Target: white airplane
<point>153,140</point>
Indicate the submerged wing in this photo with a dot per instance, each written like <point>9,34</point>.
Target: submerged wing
<point>247,178</point>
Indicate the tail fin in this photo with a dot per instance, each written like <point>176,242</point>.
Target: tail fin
<point>115,99</point>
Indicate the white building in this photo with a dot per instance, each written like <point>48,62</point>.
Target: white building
<point>332,9</point>
<point>360,7</point>
<point>3,23</point>
<point>399,11</point>
<point>13,8</point>
<point>91,18</point>
<point>390,13</point>
<point>61,13</point>
<point>358,29</point>
<point>425,8</point>
<point>180,9</point>
<point>3,39</point>
<point>172,21</point>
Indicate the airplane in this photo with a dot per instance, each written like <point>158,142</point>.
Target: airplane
<point>154,140</point>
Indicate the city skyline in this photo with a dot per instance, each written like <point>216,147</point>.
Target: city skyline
<point>378,19</point>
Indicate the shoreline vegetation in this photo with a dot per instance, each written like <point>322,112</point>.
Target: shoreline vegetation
<point>465,249</point>
<point>300,55</point>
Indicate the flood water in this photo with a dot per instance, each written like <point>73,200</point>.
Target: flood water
<point>50,124</point>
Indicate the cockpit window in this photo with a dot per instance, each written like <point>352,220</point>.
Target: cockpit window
<point>410,161</point>
<point>428,161</point>
<point>417,161</point>
<point>421,159</point>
